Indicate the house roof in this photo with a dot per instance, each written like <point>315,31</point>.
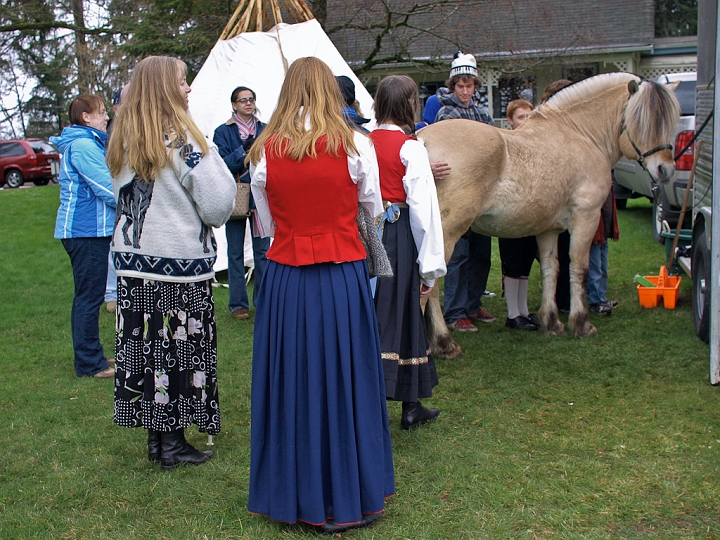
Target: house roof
<point>490,29</point>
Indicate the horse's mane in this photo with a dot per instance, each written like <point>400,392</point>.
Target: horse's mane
<point>587,88</point>
<point>650,113</point>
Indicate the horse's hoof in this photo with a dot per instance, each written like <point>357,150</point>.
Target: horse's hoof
<point>552,325</point>
<point>586,329</point>
<point>557,329</point>
<point>446,347</point>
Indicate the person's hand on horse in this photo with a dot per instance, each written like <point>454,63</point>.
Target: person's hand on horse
<point>424,290</point>
<point>439,169</point>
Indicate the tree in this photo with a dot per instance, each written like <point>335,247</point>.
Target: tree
<point>676,18</point>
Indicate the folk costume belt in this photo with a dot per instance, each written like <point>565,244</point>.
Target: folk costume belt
<point>391,214</point>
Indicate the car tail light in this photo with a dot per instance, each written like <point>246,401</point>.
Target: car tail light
<point>32,157</point>
<point>684,162</point>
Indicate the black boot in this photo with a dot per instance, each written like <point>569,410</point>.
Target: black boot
<point>153,446</point>
<point>414,414</point>
<point>175,451</point>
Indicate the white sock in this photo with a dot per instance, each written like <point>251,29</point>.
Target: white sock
<point>522,297</point>
<point>511,296</point>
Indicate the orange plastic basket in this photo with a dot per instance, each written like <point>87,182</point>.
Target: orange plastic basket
<point>668,288</point>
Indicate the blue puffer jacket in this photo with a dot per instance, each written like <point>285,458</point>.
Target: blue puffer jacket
<point>87,202</point>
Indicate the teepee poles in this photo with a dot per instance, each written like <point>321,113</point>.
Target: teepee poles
<point>261,15</point>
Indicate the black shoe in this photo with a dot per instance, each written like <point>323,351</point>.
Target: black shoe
<point>176,451</point>
<point>329,527</point>
<point>521,323</point>
<point>414,414</point>
<point>153,446</point>
<point>601,309</point>
<point>533,319</point>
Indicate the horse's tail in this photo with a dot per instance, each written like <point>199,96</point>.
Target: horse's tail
<point>441,342</point>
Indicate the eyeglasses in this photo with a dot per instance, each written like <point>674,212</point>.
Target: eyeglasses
<point>245,100</point>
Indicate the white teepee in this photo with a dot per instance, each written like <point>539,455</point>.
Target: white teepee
<point>259,60</point>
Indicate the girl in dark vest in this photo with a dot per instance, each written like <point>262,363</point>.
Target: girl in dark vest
<point>320,440</point>
<point>412,235</point>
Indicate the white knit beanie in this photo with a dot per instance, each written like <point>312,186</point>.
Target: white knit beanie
<point>464,64</point>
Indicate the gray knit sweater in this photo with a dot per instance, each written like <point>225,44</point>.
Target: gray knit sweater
<point>163,228</point>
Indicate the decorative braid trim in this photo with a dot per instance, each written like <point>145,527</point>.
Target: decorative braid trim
<point>406,361</point>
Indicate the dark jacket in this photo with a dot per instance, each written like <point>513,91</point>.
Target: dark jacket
<point>232,148</point>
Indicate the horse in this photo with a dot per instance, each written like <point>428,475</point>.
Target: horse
<point>551,174</point>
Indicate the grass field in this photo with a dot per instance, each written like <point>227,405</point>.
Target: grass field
<point>540,437</point>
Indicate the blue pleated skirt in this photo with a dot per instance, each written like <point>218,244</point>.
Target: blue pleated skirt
<point>320,440</point>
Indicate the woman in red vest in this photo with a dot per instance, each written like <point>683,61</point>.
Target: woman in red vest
<point>413,237</point>
<point>320,440</point>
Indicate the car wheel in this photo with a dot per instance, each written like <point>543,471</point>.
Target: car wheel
<point>701,282</point>
<point>657,219</point>
<point>621,204</point>
<point>41,181</point>
<point>14,178</point>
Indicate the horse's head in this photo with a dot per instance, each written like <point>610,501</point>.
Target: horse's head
<point>649,121</point>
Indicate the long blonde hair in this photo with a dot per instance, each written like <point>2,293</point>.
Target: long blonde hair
<point>311,89</point>
<point>154,108</point>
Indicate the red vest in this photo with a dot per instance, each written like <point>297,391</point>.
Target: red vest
<point>314,204</point>
<point>387,147</point>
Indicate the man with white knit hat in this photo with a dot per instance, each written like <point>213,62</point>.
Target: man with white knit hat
<point>469,266</point>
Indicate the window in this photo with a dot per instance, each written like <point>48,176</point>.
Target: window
<point>11,149</point>
<point>41,147</point>
<point>685,93</point>
<point>579,72</point>
<point>512,88</point>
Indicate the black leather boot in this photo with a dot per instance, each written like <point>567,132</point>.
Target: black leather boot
<point>175,451</point>
<point>414,414</point>
<point>153,446</point>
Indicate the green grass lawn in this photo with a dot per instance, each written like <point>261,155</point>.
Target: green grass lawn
<point>540,437</point>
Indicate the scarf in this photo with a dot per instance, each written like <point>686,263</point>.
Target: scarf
<point>247,129</point>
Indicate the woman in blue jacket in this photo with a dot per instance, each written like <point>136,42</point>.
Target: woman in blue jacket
<point>85,223</point>
<point>234,139</point>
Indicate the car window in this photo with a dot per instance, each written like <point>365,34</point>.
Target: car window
<point>685,93</point>
<point>11,149</point>
<point>41,147</point>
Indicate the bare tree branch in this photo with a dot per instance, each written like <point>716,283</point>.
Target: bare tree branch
<point>53,25</point>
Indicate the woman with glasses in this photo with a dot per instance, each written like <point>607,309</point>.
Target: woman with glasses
<point>234,139</point>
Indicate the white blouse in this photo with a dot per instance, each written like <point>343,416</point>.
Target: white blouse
<point>422,199</point>
<point>363,169</point>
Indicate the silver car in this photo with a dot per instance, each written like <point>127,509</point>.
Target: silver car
<point>632,181</point>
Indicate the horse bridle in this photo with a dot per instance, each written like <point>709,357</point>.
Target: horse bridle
<point>640,155</point>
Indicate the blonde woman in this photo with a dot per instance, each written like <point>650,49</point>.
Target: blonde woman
<point>320,440</point>
<point>171,188</point>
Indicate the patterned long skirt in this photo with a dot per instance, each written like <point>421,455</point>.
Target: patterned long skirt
<point>166,356</point>
<point>409,366</point>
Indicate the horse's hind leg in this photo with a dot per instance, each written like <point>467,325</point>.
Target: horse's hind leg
<point>441,342</point>
<point>548,314</point>
<point>580,241</point>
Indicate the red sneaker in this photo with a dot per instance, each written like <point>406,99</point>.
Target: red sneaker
<point>482,316</point>
<point>463,325</point>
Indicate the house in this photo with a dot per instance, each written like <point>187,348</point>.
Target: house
<point>520,45</point>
